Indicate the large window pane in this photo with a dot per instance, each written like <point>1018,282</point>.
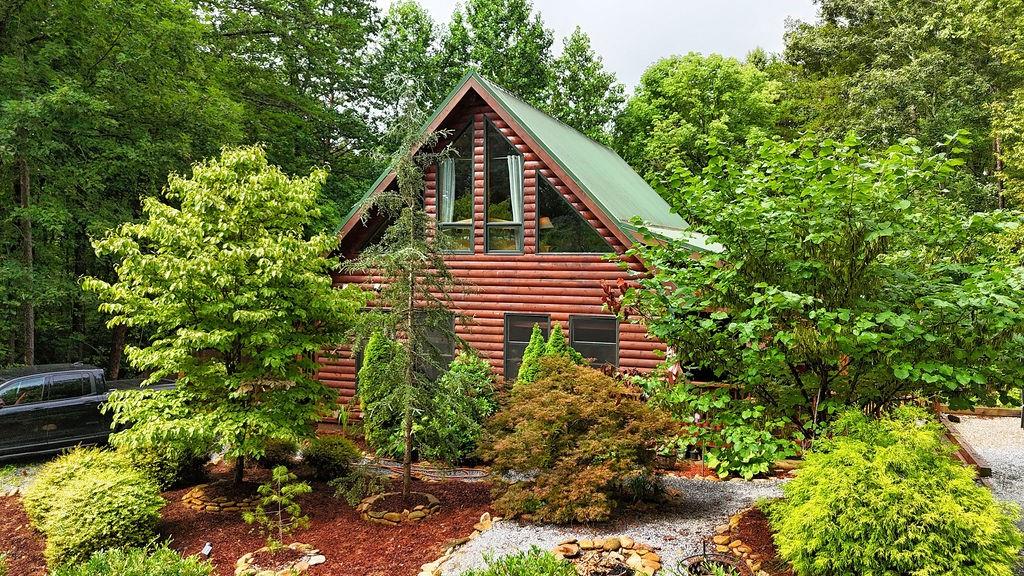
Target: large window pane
<point>504,192</point>
<point>596,338</point>
<point>518,328</point>
<point>560,228</point>
<point>456,238</point>
<point>440,342</point>
<point>455,205</point>
<point>63,387</point>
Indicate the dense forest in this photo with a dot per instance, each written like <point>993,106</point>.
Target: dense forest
<point>101,101</point>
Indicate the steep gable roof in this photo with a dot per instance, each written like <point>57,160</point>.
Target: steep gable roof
<point>614,191</point>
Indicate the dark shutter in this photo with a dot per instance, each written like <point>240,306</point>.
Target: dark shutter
<point>596,338</point>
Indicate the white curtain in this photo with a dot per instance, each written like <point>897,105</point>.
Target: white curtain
<point>515,184</point>
<point>447,190</point>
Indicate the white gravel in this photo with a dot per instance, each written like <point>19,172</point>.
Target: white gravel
<point>676,530</point>
<point>1001,442</point>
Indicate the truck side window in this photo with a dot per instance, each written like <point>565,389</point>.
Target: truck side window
<point>69,386</point>
<point>25,391</point>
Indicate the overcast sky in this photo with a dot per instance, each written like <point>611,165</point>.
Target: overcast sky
<point>631,34</point>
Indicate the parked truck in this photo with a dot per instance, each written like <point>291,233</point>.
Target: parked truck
<point>51,407</point>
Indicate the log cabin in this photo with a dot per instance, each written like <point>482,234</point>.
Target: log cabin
<point>534,211</point>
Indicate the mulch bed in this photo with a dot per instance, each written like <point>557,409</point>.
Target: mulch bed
<point>22,544</point>
<point>353,546</point>
<point>755,531</point>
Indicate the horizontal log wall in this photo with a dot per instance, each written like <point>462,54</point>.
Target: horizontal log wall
<point>492,284</point>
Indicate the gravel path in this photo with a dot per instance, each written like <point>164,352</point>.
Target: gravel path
<point>1001,442</point>
<point>677,530</point>
<point>15,476</point>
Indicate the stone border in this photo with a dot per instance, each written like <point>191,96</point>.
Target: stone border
<point>418,513</point>
<point>197,499</point>
<point>311,557</point>
<point>434,568</point>
<point>727,543</point>
<point>639,557</point>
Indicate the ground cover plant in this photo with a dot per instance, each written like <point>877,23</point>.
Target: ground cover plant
<point>533,562</point>
<point>886,497</point>
<point>158,561</point>
<point>90,500</point>
<point>579,438</point>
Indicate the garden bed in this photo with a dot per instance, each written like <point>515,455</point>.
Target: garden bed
<point>22,544</point>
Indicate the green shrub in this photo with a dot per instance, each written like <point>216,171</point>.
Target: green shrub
<point>535,562</point>
<point>886,497</point>
<point>558,346</point>
<point>278,512</point>
<point>530,366</point>
<point>464,399</point>
<point>331,456</point>
<point>278,452</point>
<point>359,482</point>
<point>161,561</point>
<point>170,464</point>
<point>582,440</point>
<point>53,477</point>
<point>382,371</point>
<point>102,508</point>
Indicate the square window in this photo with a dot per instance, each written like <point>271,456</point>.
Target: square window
<point>596,338</point>
<point>518,328</point>
<point>504,238</point>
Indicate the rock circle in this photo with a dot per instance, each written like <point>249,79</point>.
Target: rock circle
<point>602,555</point>
<point>199,498</point>
<point>247,566</point>
<point>418,513</point>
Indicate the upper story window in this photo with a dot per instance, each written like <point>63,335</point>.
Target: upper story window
<point>560,228</point>
<point>455,200</point>
<point>504,201</point>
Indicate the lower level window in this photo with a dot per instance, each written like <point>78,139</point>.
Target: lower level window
<point>518,328</point>
<point>596,338</point>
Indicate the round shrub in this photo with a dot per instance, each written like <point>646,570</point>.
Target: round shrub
<point>278,452</point>
<point>161,561</point>
<point>534,562</point>
<point>463,401</point>
<point>331,456</point>
<point>886,497</point>
<point>581,440</point>
<point>57,474</point>
<point>89,500</point>
<point>170,465</point>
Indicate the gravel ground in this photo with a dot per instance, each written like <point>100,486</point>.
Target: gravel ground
<point>676,530</point>
<point>1001,442</point>
<point>18,475</point>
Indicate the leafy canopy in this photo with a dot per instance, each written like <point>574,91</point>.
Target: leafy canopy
<point>843,276</point>
<point>238,299</point>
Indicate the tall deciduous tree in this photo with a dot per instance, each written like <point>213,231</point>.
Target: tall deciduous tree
<point>684,103</point>
<point>582,93</point>
<point>506,41</point>
<point>845,276</point>
<point>237,296</point>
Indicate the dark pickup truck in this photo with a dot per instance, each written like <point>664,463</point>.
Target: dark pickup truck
<point>47,408</point>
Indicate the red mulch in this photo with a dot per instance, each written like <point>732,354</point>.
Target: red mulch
<point>22,544</point>
<point>353,546</point>
<point>755,531</point>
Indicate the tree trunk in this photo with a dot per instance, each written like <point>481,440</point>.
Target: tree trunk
<point>117,350</point>
<point>407,418</point>
<point>239,469</point>
<point>28,310</point>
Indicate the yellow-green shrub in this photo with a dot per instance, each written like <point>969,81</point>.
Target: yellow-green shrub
<point>161,561</point>
<point>886,497</point>
<point>91,500</point>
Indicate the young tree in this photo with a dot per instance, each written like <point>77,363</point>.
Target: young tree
<point>844,277</point>
<point>238,299</point>
<point>414,299</point>
<point>683,103</point>
<point>582,93</point>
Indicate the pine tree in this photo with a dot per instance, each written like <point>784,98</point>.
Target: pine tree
<point>530,367</point>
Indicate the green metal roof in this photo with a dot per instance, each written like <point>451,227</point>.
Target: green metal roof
<point>606,178</point>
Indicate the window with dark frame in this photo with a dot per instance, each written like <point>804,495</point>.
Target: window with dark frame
<point>518,328</point>
<point>69,386</point>
<point>25,391</point>
<point>596,338</point>
<point>561,228</point>
<point>455,194</point>
<point>504,193</point>
<point>442,343</point>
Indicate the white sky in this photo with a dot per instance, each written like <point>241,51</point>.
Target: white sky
<point>632,34</point>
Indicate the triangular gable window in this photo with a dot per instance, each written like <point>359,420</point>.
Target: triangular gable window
<point>560,228</point>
